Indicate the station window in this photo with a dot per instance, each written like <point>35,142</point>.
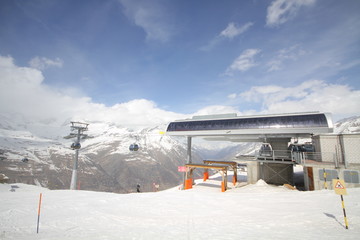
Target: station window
<point>330,174</point>
<point>351,176</point>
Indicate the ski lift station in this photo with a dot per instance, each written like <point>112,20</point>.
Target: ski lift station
<point>324,157</point>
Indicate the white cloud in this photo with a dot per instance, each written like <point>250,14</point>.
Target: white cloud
<point>216,109</point>
<point>244,62</point>
<point>232,96</point>
<point>313,95</point>
<point>151,17</point>
<point>292,53</point>
<point>42,63</point>
<point>280,11</point>
<point>232,30</point>
<point>22,92</point>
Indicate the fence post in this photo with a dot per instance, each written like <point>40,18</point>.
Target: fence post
<point>302,156</point>
<point>345,161</point>
<point>335,156</point>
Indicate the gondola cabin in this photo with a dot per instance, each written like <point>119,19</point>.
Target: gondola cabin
<point>134,147</point>
<point>75,146</point>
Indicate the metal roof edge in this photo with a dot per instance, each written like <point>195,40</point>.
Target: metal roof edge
<point>235,116</point>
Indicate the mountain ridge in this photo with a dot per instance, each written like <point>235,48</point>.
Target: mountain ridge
<point>105,161</point>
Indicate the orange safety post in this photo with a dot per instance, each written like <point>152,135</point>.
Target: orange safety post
<point>188,183</point>
<point>234,180</point>
<point>206,176</point>
<point>223,187</point>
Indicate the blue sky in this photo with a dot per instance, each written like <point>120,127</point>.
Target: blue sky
<point>184,57</point>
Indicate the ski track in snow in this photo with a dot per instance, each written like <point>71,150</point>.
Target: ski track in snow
<point>257,211</point>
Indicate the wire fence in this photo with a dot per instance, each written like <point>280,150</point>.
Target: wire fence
<point>294,157</point>
<point>299,157</point>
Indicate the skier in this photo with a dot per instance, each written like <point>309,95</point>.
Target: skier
<point>138,188</point>
<point>156,187</point>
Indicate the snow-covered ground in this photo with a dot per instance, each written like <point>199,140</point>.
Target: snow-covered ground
<point>258,211</point>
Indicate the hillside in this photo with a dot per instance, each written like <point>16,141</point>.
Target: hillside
<point>105,162</point>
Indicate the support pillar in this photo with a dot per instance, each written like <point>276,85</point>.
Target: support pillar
<point>235,175</point>
<point>189,158</point>
<point>253,171</point>
<point>188,182</point>
<point>73,183</point>
<point>306,178</point>
<point>224,180</point>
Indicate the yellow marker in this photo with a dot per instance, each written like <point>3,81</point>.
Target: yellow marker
<point>325,183</point>
<point>343,207</point>
<point>340,189</point>
<point>161,132</point>
<point>339,186</point>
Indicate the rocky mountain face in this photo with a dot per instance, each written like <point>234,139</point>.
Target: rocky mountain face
<point>37,153</point>
<point>31,153</point>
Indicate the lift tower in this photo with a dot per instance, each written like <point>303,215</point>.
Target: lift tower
<point>77,131</point>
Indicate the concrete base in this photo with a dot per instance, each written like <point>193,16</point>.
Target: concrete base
<point>253,172</point>
<point>272,173</point>
<point>277,173</point>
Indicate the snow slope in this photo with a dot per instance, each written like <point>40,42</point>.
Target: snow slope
<point>258,211</point>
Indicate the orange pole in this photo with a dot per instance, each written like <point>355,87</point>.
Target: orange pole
<point>188,183</point>
<point>235,174</point>
<point>234,180</point>
<point>223,187</point>
<point>206,176</point>
<point>38,220</point>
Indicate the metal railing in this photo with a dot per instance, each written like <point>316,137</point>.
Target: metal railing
<point>274,155</point>
<point>292,157</point>
<point>323,157</point>
<point>299,157</point>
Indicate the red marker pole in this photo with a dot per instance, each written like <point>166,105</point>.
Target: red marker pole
<point>38,220</point>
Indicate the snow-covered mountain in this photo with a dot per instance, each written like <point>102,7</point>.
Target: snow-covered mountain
<point>348,125</point>
<point>105,162</point>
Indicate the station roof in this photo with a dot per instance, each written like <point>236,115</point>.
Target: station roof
<point>230,127</point>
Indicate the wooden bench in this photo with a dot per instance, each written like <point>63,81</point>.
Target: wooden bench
<point>191,167</point>
<point>233,166</point>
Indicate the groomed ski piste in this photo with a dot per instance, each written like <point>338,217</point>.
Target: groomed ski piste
<point>254,211</point>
